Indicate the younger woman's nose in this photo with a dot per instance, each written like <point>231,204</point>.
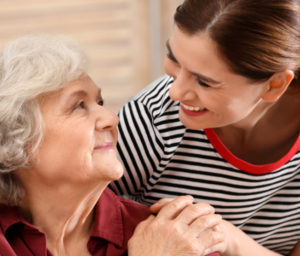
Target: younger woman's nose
<point>181,90</point>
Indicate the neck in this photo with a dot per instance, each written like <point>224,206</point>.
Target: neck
<point>281,113</point>
<point>266,134</point>
<point>66,222</point>
<point>245,128</point>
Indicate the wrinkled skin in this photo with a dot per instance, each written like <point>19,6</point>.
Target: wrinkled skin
<point>180,228</point>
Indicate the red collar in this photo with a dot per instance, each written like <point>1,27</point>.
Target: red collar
<point>245,166</point>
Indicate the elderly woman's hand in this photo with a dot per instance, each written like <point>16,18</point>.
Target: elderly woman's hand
<point>180,228</point>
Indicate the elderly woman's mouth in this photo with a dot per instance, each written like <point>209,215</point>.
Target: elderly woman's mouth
<point>105,146</point>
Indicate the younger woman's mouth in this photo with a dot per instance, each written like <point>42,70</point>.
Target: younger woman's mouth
<point>193,111</point>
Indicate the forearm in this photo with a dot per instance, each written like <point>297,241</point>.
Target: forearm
<point>296,250</point>
<point>242,245</point>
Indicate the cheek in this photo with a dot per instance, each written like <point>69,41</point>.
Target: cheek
<point>81,147</point>
<point>71,147</point>
<point>239,107</point>
<point>115,135</point>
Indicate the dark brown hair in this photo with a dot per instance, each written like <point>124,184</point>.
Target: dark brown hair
<point>257,38</point>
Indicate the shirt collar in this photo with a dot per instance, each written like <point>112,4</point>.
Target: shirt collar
<point>10,216</point>
<point>108,220</point>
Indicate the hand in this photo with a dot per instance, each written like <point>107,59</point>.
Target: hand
<point>236,242</point>
<point>180,228</point>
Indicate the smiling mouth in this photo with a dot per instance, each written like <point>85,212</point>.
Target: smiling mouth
<point>190,108</point>
<point>193,111</point>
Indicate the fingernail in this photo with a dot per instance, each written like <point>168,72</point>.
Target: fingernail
<point>190,197</point>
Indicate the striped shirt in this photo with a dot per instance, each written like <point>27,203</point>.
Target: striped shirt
<point>162,158</point>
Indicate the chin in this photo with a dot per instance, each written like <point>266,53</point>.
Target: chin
<point>119,172</point>
<point>192,125</point>
<point>111,172</point>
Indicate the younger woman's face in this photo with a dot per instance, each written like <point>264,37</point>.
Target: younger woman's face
<point>210,95</point>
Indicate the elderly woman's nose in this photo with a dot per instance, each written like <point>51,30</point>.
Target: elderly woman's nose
<point>106,119</point>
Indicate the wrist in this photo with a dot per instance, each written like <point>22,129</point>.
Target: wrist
<point>240,244</point>
<point>233,238</point>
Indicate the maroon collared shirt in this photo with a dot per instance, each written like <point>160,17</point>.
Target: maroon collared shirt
<point>115,221</point>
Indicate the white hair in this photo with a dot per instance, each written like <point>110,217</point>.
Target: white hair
<point>30,66</point>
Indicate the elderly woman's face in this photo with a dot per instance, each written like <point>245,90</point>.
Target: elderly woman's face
<point>80,136</point>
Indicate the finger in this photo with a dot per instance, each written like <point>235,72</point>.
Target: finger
<point>212,241</point>
<point>219,247</point>
<point>155,208</point>
<point>173,208</point>
<point>193,211</point>
<point>204,224</point>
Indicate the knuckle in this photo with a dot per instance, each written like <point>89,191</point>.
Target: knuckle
<point>216,237</point>
<point>175,205</point>
<point>175,229</point>
<point>195,208</point>
<point>209,221</point>
<point>205,224</point>
<point>180,202</point>
<point>206,207</point>
<point>164,200</point>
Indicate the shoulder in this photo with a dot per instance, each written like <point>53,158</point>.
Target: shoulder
<point>9,215</point>
<point>133,212</point>
<point>120,215</point>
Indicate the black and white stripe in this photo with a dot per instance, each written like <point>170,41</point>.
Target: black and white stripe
<point>164,159</point>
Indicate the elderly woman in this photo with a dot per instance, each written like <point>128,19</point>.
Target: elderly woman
<point>57,156</point>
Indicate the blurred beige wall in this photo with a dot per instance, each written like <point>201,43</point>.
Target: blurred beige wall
<point>124,39</point>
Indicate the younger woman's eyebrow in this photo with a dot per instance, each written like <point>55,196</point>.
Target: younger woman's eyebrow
<point>205,78</point>
<point>170,53</point>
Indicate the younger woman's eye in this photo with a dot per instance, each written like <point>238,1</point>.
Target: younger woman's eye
<point>202,83</point>
<point>171,57</point>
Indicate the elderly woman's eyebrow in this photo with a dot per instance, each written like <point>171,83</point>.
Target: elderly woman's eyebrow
<point>83,93</point>
<point>77,94</point>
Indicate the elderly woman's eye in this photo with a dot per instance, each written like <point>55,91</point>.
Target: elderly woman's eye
<point>101,102</point>
<point>80,105</point>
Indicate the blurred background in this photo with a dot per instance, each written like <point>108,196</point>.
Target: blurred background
<point>124,39</point>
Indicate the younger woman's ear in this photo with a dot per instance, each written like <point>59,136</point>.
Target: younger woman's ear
<point>277,85</point>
